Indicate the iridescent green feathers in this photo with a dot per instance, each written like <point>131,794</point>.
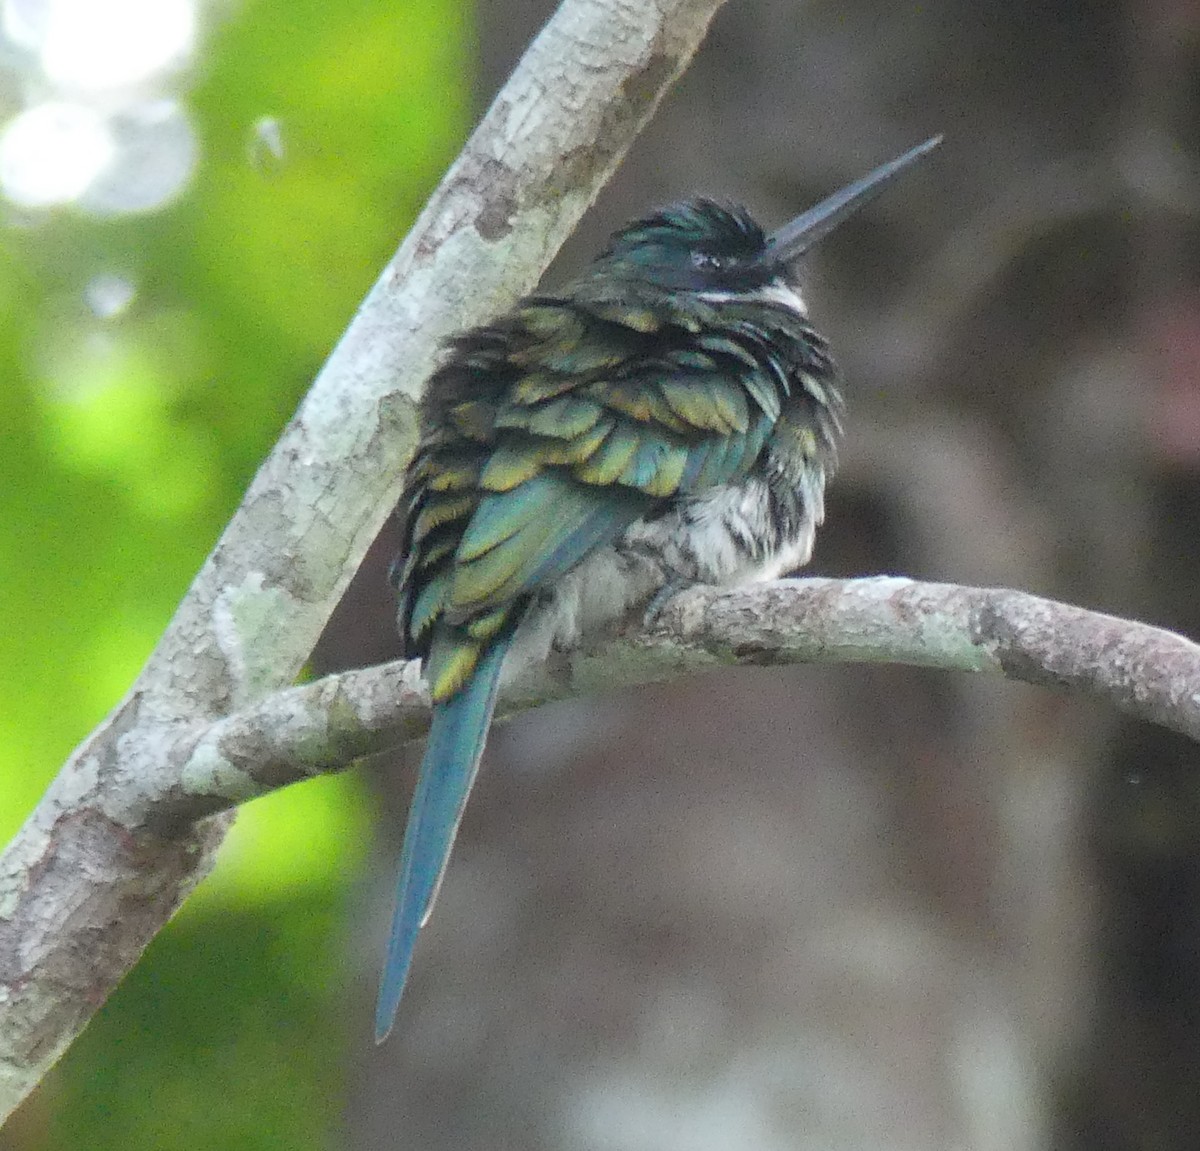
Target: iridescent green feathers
<point>551,431</point>
<point>680,362</point>
<point>525,468</point>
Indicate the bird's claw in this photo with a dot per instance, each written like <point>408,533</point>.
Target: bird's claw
<point>659,601</point>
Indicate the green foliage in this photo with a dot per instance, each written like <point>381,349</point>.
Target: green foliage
<point>221,1037</point>
<point>127,444</point>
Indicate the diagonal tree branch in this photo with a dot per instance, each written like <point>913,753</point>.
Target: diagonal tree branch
<point>99,867</point>
<point>1145,671</point>
<point>131,823</point>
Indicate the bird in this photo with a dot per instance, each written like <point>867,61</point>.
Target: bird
<point>670,417</point>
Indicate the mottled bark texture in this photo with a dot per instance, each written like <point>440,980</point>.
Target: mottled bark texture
<point>106,857</point>
<point>1144,671</point>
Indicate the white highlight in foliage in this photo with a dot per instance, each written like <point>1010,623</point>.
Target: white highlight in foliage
<point>24,23</point>
<point>265,148</point>
<point>104,44</point>
<point>50,153</point>
<point>156,154</point>
<point>108,295</point>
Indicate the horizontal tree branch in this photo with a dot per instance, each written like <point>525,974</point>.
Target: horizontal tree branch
<point>1145,671</point>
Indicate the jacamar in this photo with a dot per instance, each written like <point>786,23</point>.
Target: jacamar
<point>668,418</point>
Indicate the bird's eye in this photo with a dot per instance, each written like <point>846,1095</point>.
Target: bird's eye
<point>708,262</point>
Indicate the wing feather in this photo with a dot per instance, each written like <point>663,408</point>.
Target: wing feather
<point>598,419</point>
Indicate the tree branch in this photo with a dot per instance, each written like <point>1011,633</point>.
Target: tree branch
<point>1145,671</point>
<point>99,867</point>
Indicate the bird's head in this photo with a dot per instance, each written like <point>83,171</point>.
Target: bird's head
<point>716,253</point>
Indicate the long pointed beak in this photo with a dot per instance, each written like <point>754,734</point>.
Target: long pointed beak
<point>796,237</point>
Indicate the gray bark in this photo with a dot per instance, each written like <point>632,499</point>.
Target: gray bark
<point>101,864</point>
<point>1145,671</point>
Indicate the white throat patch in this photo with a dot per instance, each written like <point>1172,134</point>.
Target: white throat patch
<point>777,291</point>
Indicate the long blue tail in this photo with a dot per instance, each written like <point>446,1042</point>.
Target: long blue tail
<point>456,739</point>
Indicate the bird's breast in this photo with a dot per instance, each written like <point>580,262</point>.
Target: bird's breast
<point>732,534</point>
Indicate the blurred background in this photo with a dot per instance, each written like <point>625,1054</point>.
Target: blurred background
<point>815,908</point>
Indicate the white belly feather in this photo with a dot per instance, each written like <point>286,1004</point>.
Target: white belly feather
<point>723,537</point>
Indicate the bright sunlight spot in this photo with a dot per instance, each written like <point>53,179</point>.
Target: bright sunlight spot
<point>50,153</point>
<point>114,44</point>
<point>104,132</point>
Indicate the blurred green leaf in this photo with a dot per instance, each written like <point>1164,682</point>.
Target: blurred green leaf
<point>222,1037</point>
<point>128,441</point>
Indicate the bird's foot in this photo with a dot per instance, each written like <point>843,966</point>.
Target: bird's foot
<point>655,606</point>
